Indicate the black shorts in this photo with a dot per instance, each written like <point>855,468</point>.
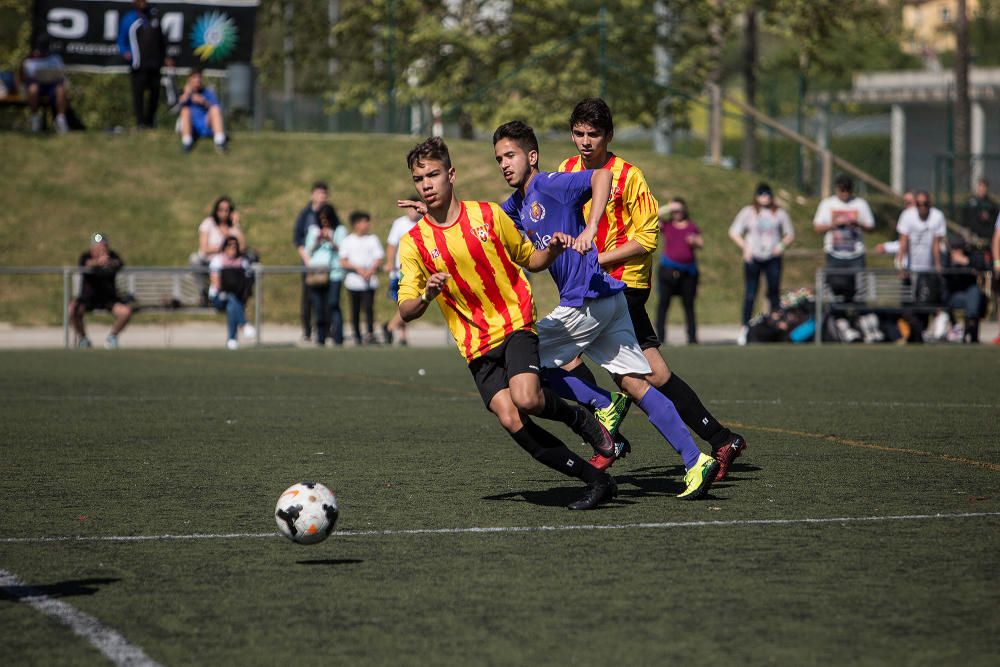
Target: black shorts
<point>517,354</point>
<point>94,302</point>
<point>644,331</point>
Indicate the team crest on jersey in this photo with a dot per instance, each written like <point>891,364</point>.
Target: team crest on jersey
<point>435,254</point>
<point>483,232</point>
<point>536,211</point>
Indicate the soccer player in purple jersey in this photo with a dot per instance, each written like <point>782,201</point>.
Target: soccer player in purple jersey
<point>592,317</point>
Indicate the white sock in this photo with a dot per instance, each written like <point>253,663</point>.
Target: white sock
<point>187,140</point>
<point>220,138</point>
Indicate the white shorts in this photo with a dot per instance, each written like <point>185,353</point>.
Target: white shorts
<point>600,329</point>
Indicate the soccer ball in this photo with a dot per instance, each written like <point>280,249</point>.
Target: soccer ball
<point>306,513</point>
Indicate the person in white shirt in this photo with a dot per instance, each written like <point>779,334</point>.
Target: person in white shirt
<point>400,227</point>
<point>842,219</point>
<point>921,230</point>
<point>361,255</point>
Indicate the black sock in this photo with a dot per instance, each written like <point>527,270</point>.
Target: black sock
<point>556,409</point>
<point>549,450</point>
<point>695,415</point>
<point>582,372</point>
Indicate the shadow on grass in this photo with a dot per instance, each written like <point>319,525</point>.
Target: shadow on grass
<point>330,561</point>
<point>59,589</point>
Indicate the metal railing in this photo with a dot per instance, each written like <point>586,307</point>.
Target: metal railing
<point>885,289</point>
<point>128,275</point>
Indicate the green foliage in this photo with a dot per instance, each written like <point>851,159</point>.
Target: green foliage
<point>15,32</point>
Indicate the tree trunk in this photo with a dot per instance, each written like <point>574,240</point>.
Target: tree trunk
<point>962,106</point>
<point>715,31</point>
<point>749,159</point>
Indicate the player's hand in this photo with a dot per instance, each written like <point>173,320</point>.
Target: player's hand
<point>560,241</point>
<point>436,283</point>
<point>417,206</point>
<point>584,243</point>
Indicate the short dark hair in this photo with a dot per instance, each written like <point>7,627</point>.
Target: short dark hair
<point>844,182</point>
<point>519,132</point>
<point>594,112</point>
<point>431,148</point>
<point>320,185</point>
<point>358,216</point>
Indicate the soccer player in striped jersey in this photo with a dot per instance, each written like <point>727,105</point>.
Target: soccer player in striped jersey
<point>592,316</point>
<point>466,256</point>
<point>626,241</point>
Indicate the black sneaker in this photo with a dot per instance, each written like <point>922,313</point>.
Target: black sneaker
<point>387,334</point>
<point>593,432</point>
<point>597,492</point>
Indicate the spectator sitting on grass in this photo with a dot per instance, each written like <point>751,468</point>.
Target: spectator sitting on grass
<point>99,292</point>
<point>201,114</point>
<point>230,287</point>
<point>42,79</point>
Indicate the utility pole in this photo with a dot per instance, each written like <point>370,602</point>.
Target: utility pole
<point>288,49</point>
<point>749,159</point>
<point>715,30</point>
<point>662,133</point>
<point>963,108</point>
<point>332,17</point>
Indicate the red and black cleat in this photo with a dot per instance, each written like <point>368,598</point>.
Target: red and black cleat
<point>728,453</point>
<point>622,449</point>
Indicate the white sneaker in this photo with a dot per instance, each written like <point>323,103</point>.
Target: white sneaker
<point>84,343</point>
<point>741,339</point>
<point>232,344</point>
<point>36,123</point>
<point>249,331</point>
<point>62,127</point>
<point>111,343</point>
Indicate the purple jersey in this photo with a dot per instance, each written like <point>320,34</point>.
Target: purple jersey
<point>553,202</point>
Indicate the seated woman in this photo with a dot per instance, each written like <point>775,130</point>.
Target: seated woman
<point>42,79</point>
<point>223,222</point>
<point>229,273</point>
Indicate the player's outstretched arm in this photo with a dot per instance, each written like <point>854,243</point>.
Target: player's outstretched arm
<point>542,259</point>
<point>411,309</point>
<point>600,186</point>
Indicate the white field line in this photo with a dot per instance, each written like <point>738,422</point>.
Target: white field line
<point>514,529</point>
<point>114,646</point>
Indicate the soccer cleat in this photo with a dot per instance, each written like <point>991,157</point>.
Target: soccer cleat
<point>597,492</point>
<point>622,449</point>
<point>111,342</point>
<point>726,454</point>
<point>593,432</point>
<point>699,478</point>
<point>613,415</point>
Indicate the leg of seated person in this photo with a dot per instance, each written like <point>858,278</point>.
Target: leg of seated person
<point>187,139</point>
<point>122,313</point>
<point>218,128</point>
<point>76,310</point>
<point>62,126</point>
<point>34,103</point>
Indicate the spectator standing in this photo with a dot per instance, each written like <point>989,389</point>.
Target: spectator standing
<point>42,77</point>
<point>143,45</point>
<point>99,292</point>
<point>201,114</point>
<point>229,272</point>
<point>307,218</point>
<point>892,247</point>
<point>678,272</point>
<point>762,231</point>
<point>995,248</point>
<point>962,288</point>
<point>223,222</point>
<point>981,210</point>
<point>400,227</point>
<point>921,230</point>
<point>326,275</point>
<point>361,255</point>
<point>842,219</point>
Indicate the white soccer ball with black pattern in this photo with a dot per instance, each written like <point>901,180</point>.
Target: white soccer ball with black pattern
<point>306,513</point>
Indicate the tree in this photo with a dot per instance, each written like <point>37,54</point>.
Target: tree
<point>748,160</point>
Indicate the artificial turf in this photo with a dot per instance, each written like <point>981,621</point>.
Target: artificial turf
<point>149,442</point>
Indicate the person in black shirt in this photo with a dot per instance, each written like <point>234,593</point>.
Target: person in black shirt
<point>981,211</point>
<point>143,45</point>
<point>98,291</point>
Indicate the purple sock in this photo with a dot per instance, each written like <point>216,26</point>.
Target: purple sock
<point>575,389</point>
<point>663,415</point>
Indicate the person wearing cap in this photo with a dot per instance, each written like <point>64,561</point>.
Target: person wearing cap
<point>762,230</point>
<point>678,271</point>
<point>98,291</point>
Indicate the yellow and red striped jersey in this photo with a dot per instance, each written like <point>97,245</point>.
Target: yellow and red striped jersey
<point>487,297</point>
<point>631,214</point>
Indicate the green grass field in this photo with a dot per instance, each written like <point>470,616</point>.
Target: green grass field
<point>901,444</point>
